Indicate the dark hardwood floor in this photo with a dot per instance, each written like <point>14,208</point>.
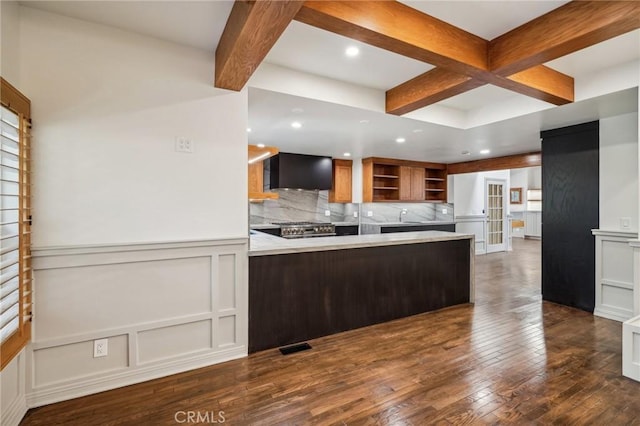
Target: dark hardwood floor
<point>510,358</point>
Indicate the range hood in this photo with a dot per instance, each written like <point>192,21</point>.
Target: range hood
<point>297,171</point>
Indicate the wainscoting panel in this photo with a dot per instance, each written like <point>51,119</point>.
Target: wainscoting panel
<point>13,404</point>
<point>473,224</point>
<point>631,327</point>
<point>164,308</point>
<point>614,275</point>
<point>93,293</point>
<point>53,361</point>
<point>185,338</point>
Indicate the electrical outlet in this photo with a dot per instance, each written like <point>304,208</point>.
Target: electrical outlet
<point>184,145</point>
<point>625,223</point>
<point>369,213</point>
<point>355,214</point>
<point>327,212</point>
<point>444,211</point>
<point>100,348</point>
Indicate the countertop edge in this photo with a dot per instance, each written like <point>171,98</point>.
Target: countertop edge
<point>350,242</point>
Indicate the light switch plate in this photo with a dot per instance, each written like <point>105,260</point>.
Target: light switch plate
<point>444,211</point>
<point>355,214</point>
<point>369,213</point>
<point>625,222</point>
<point>327,212</point>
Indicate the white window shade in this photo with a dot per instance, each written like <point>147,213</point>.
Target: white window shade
<point>9,225</point>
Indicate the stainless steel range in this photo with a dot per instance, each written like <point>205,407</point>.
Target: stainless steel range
<point>306,229</point>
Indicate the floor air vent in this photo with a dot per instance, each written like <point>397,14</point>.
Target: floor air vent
<point>295,348</point>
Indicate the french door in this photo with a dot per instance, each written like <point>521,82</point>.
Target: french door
<point>495,210</point>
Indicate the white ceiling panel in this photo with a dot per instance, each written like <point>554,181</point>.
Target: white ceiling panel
<point>478,98</point>
<point>486,19</point>
<point>306,48</point>
<point>191,23</point>
<point>616,51</point>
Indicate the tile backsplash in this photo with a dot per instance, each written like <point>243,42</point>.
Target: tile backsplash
<point>301,205</point>
<point>304,205</point>
<point>415,212</point>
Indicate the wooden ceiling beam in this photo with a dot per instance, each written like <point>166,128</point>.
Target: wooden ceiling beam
<point>251,31</point>
<point>498,163</point>
<point>437,84</point>
<point>398,28</point>
<point>427,89</point>
<point>460,57</point>
<point>562,31</point>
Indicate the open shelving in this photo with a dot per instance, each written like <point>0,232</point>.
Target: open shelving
<point>393,180</point>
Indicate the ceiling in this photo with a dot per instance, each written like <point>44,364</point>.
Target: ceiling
<point>333,129</point>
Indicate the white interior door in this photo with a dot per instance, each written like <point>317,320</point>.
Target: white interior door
<point>495,210</point>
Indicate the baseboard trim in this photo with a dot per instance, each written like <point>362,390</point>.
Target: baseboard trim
<point>611,315</point>
<point>14,413</point>
<point>62,392</point>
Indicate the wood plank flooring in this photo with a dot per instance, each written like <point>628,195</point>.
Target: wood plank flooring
<point>510,358</point>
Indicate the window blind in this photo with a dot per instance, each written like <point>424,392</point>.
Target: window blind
<point>15,238</point>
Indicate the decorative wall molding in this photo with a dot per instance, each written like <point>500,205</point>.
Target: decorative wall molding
<point>614,285</point>
<point>631,327</point>
<point>165,307</point>
<point>631,348</point>
<point>13,383</point>
<point>474,224</point>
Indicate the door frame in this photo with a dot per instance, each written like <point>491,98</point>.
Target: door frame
<point>505,236</point>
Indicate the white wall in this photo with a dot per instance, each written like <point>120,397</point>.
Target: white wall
<point>469,191</point>
<point>10,36</point>
<point>13,404</point>
<point>107,107</point>
<point>619,172</point>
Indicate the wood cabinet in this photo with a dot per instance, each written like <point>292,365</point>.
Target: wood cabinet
<point>393,180</point>
<point>256,180</point>
<point>341,181</point>
<point>412,183</point>
<point>435,180</point>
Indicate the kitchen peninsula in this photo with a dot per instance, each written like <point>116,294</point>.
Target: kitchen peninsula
<point>300,289</point>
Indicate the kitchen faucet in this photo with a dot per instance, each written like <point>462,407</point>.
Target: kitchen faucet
<point>402,212</point>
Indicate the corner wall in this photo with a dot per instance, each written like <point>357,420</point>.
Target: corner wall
<point>133,241</point>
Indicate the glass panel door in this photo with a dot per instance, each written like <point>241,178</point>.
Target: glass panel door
<point>495,213</point>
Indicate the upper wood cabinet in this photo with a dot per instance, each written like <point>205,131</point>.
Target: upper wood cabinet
<point>341,181</point>
<point>411,183</point>
<point>393,180</point>
<point>256,156</point>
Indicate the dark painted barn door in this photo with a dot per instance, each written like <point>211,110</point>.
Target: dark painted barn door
<point>570,210</point>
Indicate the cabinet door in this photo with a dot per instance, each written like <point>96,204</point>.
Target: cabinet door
<point>411,183</point>
<point>417,183</point>
<point>255,178</point>
<point>341,184</point>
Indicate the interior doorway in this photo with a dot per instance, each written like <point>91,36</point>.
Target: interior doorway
<point>495,211</point>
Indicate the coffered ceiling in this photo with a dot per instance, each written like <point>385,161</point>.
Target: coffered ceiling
<point>302,47</point>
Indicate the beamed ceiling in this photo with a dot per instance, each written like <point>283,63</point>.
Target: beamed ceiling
<point>463,61</point>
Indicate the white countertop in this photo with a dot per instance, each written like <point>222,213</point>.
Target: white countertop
<point>261,244</point>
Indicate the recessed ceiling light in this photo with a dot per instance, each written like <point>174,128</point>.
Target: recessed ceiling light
<point>296,125</point>
<point>260,145</point>
<point>417,131</point>
<point>352,51</point>
<point>485,151</point>
<point>400,140</point>
<point>297,110</point>
<point>465,153</point>
<point>347,154</point>
<point>364,121</point>
<point>248,129</point>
